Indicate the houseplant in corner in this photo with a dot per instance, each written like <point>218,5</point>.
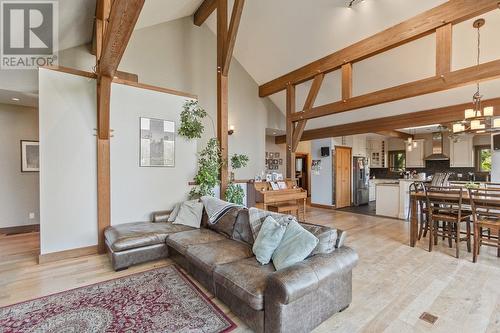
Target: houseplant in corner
<point>234,193</point>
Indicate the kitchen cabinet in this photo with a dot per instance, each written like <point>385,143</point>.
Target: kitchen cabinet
<point>462,152</point>
<point>359,145</point>
<point>377,150</point>
<point>415,157</point>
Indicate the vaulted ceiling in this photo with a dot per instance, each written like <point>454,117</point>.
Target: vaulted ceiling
<point>278,36</point>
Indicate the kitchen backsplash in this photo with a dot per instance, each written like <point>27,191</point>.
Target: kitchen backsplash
<point>431,167</point>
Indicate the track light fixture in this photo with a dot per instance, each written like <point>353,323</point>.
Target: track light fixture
<point>353,2</point>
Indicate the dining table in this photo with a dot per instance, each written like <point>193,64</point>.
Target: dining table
<point>415,198</point>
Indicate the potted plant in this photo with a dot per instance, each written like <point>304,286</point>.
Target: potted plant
<point>234,193</point>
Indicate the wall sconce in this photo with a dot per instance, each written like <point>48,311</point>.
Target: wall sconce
<point>231,130</point>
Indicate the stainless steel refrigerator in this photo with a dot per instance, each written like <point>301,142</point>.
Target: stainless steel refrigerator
<point>360,177</point>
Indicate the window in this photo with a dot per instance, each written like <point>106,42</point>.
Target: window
<point>483,158</point>
<point>397,160</point>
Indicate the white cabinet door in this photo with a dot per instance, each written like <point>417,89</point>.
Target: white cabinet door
<point>359,145</point>
<point>462,153</point>
<point>415,157</point>
<point>377,153</point>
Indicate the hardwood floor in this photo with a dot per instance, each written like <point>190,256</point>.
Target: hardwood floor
<point>393,284</point>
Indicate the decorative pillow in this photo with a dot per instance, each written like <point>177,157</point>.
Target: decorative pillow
<point>225,224</point>
<point>341,238</point>
<point>267,240</point>
<point>296,245</point>
<point>327,238</point>
<point>175,212</point>
<point>190,214</point>
<point>258,216</point>
<point>242,231</point>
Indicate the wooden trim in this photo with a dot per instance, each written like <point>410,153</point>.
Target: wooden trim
<point>231,35</point>
<point>20,229</point>
<point>452,11</point>
<point>455,79</point>
<point>203,12</point>
<point>67,254</point>
<point>443,49</point>
<point>442,115</point>
<point>72,71</point>
<point>154,88</point>
<point>311,98</point>
<point>321,206</point>
<point>290,110</point>
<point>122,19</point>
<point>346,81</point>
<point>103,106</point>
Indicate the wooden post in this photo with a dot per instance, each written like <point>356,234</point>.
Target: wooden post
<point>443,49</point>
<point>222,93</point>
<point>290,109</point>
<point>346,81</point>
<point>103,165</point>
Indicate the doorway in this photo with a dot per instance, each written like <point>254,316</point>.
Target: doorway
<point>343,158</point>
<point>302,171</point>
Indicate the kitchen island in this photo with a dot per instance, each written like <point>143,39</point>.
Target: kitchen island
<point>393,198</point>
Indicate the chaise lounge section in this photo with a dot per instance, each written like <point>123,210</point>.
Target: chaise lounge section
<point>220,257</point>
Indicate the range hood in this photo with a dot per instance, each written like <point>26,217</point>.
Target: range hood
<point>437,148</point>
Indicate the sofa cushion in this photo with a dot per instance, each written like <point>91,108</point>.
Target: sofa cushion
<point>242,231</point>
<point>257,217</point>
<point>182,240</point>
<point>207,256</point>
<point>225,224</point>
<point>327,238</point>
<point>296,245</point>
<point>268,239</point>
<point>246,279</point>
<point>190,214</point>
<point>128,236</point>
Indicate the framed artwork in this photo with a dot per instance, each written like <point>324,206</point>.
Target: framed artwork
<point>157,143</point>
<point>267,154</point>
<point>276,155</point>
<point>30,156</point>
<point>275,186</point>
<point>271,155</point>
<point>275,162</point>
<point>281,161</point>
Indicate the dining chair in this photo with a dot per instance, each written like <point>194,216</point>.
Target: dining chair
<point>486,218</point>
<point>422,211</point>
<point>445,205</point>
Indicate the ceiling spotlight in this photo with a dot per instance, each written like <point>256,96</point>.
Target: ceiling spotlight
<point>15,99</point>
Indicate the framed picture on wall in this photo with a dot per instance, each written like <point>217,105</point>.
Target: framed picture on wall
<point>157,146</point>
<point>276,155</point>
<point>271,155</point>
<point>30,156</point>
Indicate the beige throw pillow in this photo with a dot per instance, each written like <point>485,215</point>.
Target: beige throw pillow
<point>190,214</point>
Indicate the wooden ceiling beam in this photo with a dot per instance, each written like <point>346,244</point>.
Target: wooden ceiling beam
<point>443,115</point>
<point>455,79</point>
<point>206,8</point>
<point>231,35</point>
<point>452,11</point>
<point>311,98</point>
<point>395,134</point>
<point>122,19</point>
<point>290,110</point>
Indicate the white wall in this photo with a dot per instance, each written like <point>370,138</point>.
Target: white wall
<point>138,191</point>
<point>68,178</point>
<point>18,190</point>
<point>180,55</point>
<point>322,184</point>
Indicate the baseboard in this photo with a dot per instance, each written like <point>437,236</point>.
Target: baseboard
<point>20,229</point>
<point>322,206</point>
<point>68,254</point>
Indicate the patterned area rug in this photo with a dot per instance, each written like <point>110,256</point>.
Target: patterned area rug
<point>159,300</point>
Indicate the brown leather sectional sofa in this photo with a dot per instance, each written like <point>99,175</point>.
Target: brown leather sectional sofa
<point>295,299</point>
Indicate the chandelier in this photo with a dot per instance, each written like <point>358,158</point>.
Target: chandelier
<point>478,119</point>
